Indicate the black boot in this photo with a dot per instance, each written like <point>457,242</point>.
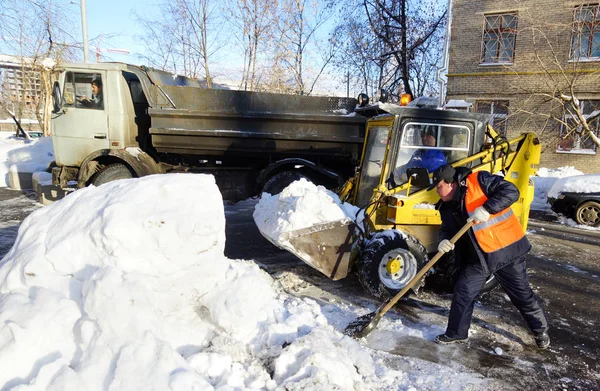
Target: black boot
<point>542,340</point>
<point>443,339</point>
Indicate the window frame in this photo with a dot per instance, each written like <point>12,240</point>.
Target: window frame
<point>596,124</point>
<point>500,32</point>
<point>593,28</point>
<point>74,103</point>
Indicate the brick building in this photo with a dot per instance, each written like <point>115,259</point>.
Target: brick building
<point>515,59</point>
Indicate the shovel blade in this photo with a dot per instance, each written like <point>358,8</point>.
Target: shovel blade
<point>363,325</point>
<point>326,247</point>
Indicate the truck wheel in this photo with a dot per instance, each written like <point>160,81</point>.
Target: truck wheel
<point>388,262</point>
<point>280,181</point>
<point>112,173</point>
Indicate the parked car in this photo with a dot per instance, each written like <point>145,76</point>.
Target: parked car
<point>577,197</point>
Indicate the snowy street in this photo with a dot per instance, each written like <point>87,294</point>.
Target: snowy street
<point>564,272</point>
<point>563,268</point>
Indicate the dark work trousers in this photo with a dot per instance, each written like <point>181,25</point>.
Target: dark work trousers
<point>512,278</point>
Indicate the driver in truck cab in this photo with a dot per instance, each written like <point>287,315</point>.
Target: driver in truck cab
<point>96,101</point>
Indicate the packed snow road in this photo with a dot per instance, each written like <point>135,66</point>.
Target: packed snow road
<point>564,271</point>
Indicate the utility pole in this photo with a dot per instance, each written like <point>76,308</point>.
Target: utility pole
<point>82,10</point>
<point>348,84</point>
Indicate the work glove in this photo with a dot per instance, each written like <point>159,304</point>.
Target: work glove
<point>445,246</point>
<point>479,215</point>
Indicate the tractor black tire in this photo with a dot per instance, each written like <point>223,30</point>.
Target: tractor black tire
<point>372,258</point>
<point>111,173</point>
<point>280,181</point>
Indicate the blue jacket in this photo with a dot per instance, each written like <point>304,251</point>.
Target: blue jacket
<point>431,159</point>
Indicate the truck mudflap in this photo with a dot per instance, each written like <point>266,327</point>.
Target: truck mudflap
<point>326,247</point>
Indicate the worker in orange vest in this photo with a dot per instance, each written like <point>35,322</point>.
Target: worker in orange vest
<point>496,244</point>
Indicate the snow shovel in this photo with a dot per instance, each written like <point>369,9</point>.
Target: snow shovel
<point>363,325</point>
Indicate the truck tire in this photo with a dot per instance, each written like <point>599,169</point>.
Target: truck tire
<point>378,251</point>
<point>111,173</point>
<point>280,181</point>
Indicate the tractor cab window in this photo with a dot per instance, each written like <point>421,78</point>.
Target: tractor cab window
<point>377,140</point>
<point>429,146</point>
<point>83,90</point>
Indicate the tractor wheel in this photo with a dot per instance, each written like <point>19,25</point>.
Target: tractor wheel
<point>389,261</point>
<point>280,181</point>
<point>588,214</point>
<point>112,173</point>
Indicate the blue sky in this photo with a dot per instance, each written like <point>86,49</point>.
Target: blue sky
<point>113,17</point>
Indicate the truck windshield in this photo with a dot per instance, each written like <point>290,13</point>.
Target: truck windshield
<point>83,90</point>
<point>430,145</point>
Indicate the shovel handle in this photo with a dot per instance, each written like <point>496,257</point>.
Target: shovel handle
<point>422,272</point>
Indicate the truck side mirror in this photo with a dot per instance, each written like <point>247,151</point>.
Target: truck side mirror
<point>56,97</point>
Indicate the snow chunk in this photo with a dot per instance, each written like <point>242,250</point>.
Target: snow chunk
<point>300,205</point>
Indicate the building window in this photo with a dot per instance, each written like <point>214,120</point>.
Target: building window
<point>585,42</point>
<point>499,36</point>
<point>498,109</point>
<point>577,142</point>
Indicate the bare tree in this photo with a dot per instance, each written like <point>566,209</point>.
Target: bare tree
<point>393,44</point>
<point>555,92</point>
<point>299,23</point>
<point>184,39</point>
<point>253,19</point>
<point>34,32</point>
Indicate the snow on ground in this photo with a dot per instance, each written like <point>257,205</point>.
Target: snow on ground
<point>31,155</point>
<point>125,286</point>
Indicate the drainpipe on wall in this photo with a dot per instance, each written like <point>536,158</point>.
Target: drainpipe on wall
<point>441,72</point>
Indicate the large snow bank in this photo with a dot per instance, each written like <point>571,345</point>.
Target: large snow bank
<point>544,180</point>
<point>300,205</point>
<point>34,155</point>
<point>125,287</point>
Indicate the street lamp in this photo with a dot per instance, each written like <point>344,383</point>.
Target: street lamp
<point>83,28</point>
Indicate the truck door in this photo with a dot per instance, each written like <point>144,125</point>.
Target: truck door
<point>82,128</point>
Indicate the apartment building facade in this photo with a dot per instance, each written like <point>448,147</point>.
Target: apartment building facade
<point>20,92</point>
<point>534,65</point>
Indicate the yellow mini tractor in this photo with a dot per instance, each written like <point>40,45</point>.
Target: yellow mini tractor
<point>398,224</point>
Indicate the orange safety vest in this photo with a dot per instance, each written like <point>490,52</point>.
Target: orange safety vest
<point>501,229</point>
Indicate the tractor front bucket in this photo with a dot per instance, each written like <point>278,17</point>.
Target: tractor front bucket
<point>326,247</point>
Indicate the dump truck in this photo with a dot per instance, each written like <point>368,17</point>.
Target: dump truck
<point>115,120</point>
<point>401,224</point>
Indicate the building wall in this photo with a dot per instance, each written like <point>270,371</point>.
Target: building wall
<point>540,66</point>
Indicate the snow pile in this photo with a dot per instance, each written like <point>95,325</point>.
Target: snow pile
<point>544,180</point>
<point>28,156</point>
<point>125,286</point>
<point>300,205</point>
<point>578,184</point>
